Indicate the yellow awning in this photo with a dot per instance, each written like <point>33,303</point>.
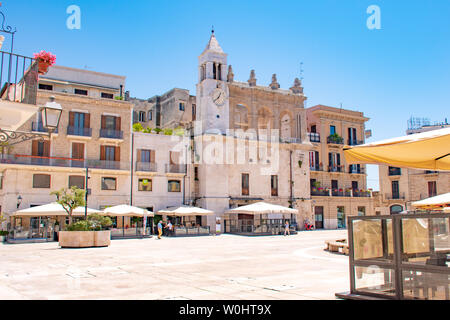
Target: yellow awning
<point>427,150</point>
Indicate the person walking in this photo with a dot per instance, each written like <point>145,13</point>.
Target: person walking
<point>160,228</point>
<point>169,226</point>
<point>286,228</point>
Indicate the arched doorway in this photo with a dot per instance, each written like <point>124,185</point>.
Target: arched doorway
<point>396,209</point>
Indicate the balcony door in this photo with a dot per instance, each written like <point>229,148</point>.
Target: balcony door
<point>352,136</point>
<point>318,217</point>
<point>40,150</point>
<point>395,190</point>
<point>334,160</point>
<point>79,122</point>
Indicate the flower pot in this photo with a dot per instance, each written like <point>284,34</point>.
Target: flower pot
<point>43,67</point>
<point>84,239</point>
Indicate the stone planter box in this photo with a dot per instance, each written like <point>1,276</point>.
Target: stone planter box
<point>84,239</point>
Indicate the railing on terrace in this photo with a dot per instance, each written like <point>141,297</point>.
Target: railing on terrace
<point>335,140</point>
<point>356,170</point>
<point>112,134</point>
<point>63,162</point>
<point>18,78</point>
<point>76,131</point>
<point>341,193</point>
<point>316,168</point>
<point>146,166</point>
<point>39,127</point>
<point>395,196</point>
<point>314,137</point>
<point>336,169</point>
<point>360,193</point>
<point>353,142</point>
<point>321,193</point>
<point>175,168</point>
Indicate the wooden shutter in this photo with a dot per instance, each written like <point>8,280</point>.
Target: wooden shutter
<point>117,154</point>
<point>34,148</point>
<point>46,148</point>
<point>139,155</point>
<point>71,119</point>
<point>118,123</point>
<point>87,120</point>
<point>338,156</point>
<point>102,153</point>
<point>103,123</point>
<point>152,156</point>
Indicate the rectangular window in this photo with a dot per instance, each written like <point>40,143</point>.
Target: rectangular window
<point>332,130</point>
<point>109,183</point>
<point>77,181</point>
<point>150,115</point>
<point>394,171</point>
<point>194,112</point>
<point>355,185</point>
<point>181,106</point>
<point>361,211</point>
<point>110,122</point>
<point>107,95</point>
<point>174,186</point>
<point>141,116</point>
<point>145,185</point>
<point>313,128</point>
<point>41,181</point>
<point>110,153</point>
<point>45,87</point>
<point>432,191</point>
<point>245,184</point>
<point>274,185</point>
<point>196,173</point>
<point>81,92</point>
<point>341,217</point>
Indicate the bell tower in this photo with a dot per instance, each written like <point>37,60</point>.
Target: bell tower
<point>212,90</point>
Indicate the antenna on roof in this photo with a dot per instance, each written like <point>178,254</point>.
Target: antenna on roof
<point>212,29</point>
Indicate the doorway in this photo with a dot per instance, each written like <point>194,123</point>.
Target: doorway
<point>318,218</point>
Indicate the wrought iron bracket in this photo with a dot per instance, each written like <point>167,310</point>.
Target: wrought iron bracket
<point>10,138</point>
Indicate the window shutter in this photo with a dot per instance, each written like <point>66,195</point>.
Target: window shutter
<point>87,120</point>
<point>338,159</point>
<point>118,124</point>
<point>34,148</point>
<point>71,119</point>
<point>330,159</point>
<point>102,153</point>
<point>46,148</point>
<point>139,155</point>
<point>117,154</point>
<point>103,124</point>
<point>152,156</point>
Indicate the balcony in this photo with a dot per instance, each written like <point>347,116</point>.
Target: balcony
<point>316,168</point>
<point>320,193</point>
<point>353,142</point>
<point>314,137</point>
<point>111,134</point>
<point>146,166</point>
<point>341,193</point>
<point>39,127</point>
<point>19,78</point>
<point>335,139</point>
<point>361,194</point>
<point>395,196</point>
<point>340,169</point>
<point>286,140</point>
<point>326,192</point>
<point>175,168</point>
<point>75,131</point>
<point>356,170</point>
<point>63,162</point>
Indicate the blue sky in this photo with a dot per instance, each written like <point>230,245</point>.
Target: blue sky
<point>390,74</point>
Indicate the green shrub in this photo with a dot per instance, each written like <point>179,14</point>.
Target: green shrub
<point>157,130</point>
<point>4,233</point>
<point>168,132</point>
<point>179,132</point>
<point>99,222</point>
<point>147,130</point>
<point>118,98</point>
<point>137,127</point>
<point>83,225</point>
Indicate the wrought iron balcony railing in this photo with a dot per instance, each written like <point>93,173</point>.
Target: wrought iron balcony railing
<point>316,168</point>
<point>354,142</point>
<point>63,162</point>
<point>175,168</point>
<point>356,170</point>
<point>335,139</point>
<point>39,127</point>
<point>112,134</point>
<point>336,169</point>
<point>314,137</point>
<point>76,131</point>
<point>18,78</point>
<point>395,196</point>
<point>146,166</point>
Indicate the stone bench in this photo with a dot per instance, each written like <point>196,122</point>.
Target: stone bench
<point>337,246</point>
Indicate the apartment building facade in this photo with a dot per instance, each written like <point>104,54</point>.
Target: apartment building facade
<point>338,190</point>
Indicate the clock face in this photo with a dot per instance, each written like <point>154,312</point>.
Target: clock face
<point>218,96</point>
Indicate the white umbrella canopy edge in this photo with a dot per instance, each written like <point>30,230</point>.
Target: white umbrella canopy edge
<point>440,200</point>
<point>51,209</point>
<point>186,211</point>
<point>124,210</point>
<point>262,208</point>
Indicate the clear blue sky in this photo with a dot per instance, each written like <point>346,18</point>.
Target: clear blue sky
<point>390,74</point>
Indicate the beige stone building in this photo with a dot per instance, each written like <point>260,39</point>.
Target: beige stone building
<point>399,187</point>
<point>338,190</point>
<point>94,133</point>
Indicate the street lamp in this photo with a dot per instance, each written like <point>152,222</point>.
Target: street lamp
<point>51,114</point>
<point>19,201</point>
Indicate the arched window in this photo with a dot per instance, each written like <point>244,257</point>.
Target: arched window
<point>241,117</point>
<point>285,127</point>
<point>264,119</point>
<point>396,209</point>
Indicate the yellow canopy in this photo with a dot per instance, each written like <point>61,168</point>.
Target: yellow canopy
<point>427,150</point>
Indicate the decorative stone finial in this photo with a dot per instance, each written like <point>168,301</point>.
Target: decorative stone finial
<point>274,85</point>
<point>297,88</point>
<point>230,76</point>
<point>252,80</point>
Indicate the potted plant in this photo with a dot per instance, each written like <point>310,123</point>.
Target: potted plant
<point>147,130</point>
<point>157,130</point>
<point>3,234</point>
<point>45,60</point>
<point>84,233</point>
<point>137,127</point>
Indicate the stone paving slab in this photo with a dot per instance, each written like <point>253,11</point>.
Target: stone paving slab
<point>218,268</point>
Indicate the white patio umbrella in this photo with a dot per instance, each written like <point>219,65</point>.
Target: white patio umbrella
<point>186,211</point>
<point>125,210</point>
<point>52,209</point>
<point>442,200</point>
<point>263,208</point>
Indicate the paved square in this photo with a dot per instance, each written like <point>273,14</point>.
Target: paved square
<point>222,267</point>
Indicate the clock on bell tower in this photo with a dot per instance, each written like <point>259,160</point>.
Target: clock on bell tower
<point>212,89</point>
